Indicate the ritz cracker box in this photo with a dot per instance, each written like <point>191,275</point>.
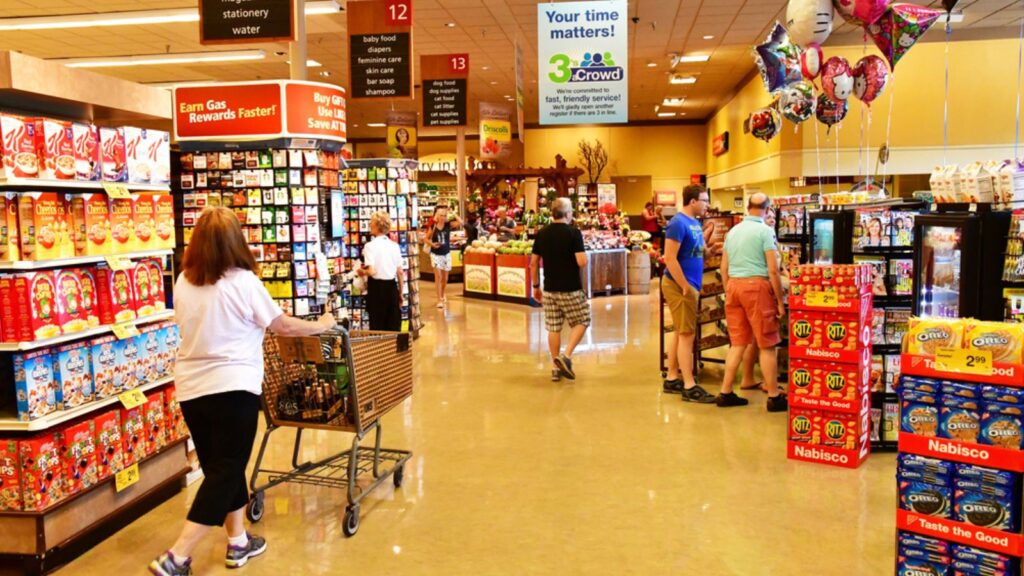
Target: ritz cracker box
<point>109,446</point>
<point>42,471</point>
<point>78,445</point>
<point>35,385</point>
<point>10,476</point>
<point>55,149</point>
<point>90,216</point>
<point>73,371</point>
<point>116,295</point>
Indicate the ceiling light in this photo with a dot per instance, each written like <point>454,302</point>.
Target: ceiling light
<point>162,59</point>
<point>450,24</point>
<point>310,63</point>
<point>132,18</point>
<point>954,17</point>
<point>673,101</point>
<point>652,64</point>
<point>493,82</point>
<point>666,114</point>
<point>679,79</point>
<point>694,58</point>
<point>709,37</point>
<point>376,124</point>
<point>485,67</point>
<point>325,73</point>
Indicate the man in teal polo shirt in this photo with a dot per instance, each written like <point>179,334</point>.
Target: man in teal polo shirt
<point>753,301</point>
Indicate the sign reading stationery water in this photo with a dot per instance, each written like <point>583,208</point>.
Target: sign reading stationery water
<point>582,59</point>
<point>223,22</point>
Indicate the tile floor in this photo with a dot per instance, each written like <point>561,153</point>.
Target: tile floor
<point>514,474</point>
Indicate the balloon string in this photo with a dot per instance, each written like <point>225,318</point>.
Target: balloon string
<point>945,100</point>
<point>1020,66</point>
<point>861,152</point>
<point>838,127</point>
<point>888,125</point>
<point>817,153</point>
<point>867,151</point>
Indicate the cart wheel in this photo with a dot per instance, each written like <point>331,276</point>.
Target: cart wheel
<point>664,375</point>
<point>351,525</point>
<point>399,476</point>
<point>254,511</point>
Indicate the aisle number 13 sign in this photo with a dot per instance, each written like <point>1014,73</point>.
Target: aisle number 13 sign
<point>398,12</point>
<point>458,63</point>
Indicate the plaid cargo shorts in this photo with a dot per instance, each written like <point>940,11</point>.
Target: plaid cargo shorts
<point>560,307</point>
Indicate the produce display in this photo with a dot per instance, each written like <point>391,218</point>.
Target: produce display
<point>493,246</point>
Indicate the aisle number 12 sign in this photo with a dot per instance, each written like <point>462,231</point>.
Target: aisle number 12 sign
<point>399,13</point>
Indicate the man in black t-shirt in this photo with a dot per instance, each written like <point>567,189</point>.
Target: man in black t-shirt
<point>560,247</point>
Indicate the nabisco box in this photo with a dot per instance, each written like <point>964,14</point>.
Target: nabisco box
<point>87,151</point>
<point>18,147</point>
<point>122,226</point>
<point>90,222</point>
<point>144,219</point>
<point>136,157</point>
<point>163,214</point>
<point>112,154</point>
<point>55,149</point>
<point>43,228</point>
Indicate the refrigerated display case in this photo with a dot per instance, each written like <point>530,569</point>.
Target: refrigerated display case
<point>958,261</point>
<point>830,237</point>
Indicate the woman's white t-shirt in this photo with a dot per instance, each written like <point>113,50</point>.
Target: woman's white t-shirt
<point>384,256</point>
<point>222,328</point>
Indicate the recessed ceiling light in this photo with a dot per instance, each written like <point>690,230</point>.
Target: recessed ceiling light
<point>666,114</point>
<point>709,37</point>
<point>161,59</point>
<point>694,58</point>
<point>355,125</point>
<point>450,24</point>
<point>376,124</point>
<point>310,63</point>
<point>325,73</point>
<point>673,101</point>
<point>485,67</point>
<point>652,64</point>
<point>493,82</point>
<point>679,79</point>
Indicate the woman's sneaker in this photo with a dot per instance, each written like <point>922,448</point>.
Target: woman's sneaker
<point>556,375</point>
<point>165,566</point>
<point>238,556</point>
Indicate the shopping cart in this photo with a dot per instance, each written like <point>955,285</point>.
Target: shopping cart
<point>339,381</point>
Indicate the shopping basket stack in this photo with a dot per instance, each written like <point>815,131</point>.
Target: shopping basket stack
<point>338,381</point>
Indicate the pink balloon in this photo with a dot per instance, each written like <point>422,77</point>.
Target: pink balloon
<point>861,12</point>
<point>869,78</point>
<point>899,28</point>
<point>810,61</point>
<point>837,79</point>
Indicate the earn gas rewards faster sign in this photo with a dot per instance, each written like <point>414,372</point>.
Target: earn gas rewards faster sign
<point>583,60</point>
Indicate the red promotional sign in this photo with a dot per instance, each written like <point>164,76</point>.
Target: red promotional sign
<point>827,454</point>
<point>1003,374</point>
<point>260,110</point>
<point>966,452</point>
<point>458,64</point>
<point>961,532</point>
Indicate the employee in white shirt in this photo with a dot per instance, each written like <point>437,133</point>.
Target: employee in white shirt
<point>222,310</point>
<point>384,269</point>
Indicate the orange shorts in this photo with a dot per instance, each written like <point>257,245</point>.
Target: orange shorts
<point>750,312</point>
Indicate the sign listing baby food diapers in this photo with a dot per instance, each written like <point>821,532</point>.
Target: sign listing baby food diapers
<point>582,62</point>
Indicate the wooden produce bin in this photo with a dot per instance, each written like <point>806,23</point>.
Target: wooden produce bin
<point>480,276</point>
<point>606,273</point>
<point>515,279</point>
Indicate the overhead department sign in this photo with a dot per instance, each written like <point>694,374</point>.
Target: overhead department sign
<point>583,62</point>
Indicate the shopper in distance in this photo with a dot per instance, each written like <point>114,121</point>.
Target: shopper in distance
<point>559,246</point>
<point>680,286</point>
<point>223,311</point>
<point>383,268</point>
<point>753,301</point>
<point>441,249</point>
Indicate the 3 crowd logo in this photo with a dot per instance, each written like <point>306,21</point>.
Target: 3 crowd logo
<point>593,67</point>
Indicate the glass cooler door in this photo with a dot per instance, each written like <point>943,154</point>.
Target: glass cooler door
<point>939,275</point>
<point>824,240</point>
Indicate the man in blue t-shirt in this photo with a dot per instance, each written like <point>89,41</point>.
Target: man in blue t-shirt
<point>680,286</point>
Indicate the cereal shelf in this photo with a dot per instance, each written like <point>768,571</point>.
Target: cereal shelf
<point>73,185</point>
<point>99,330</point>
<point>9,424</point>
<point>79,260</point>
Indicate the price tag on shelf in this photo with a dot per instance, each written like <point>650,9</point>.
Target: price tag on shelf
<point>132,399</point>
<point>116,190</point>
<point>123,331</point>
<point>126,477</point>
<point>118,262</point>
<point>822,299</point>
<point>964,361</point>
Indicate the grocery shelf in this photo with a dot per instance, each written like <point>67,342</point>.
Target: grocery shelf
<point>50,420</point>
<point>39,183</point>
<point>97,331</point>
<point>79,260</point>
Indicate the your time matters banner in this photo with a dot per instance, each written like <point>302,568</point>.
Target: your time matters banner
<point>582,51</point>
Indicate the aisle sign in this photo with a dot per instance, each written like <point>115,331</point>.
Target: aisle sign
<point>445,89</point>
<point>495,131</point>
<point>582,61</point>
<point>380,48</point>
<point>964,361</point>
<point>235,22</point>
<point>132,398</point>
<point>126,477</point>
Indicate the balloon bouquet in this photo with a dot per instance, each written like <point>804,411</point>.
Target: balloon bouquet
<point>791,59</point>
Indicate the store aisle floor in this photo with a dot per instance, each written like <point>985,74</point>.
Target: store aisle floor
<point>514,474</point>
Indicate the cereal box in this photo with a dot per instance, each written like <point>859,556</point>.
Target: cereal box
<point>10,475</point>
<point>156,284</point>
<point>10,248</point>
<point>43,227</point>
<point>163,206</point>
<point>144,218</point>
<point>149,343</point>
<point>112,154</point>
<point>122,226</point>
<point>1003,340</point>
<point>145,303</point>
<point>73,371</point>
<point>35,303</point>
<point>109,447</point>
<point>87,151</point>
<point>176,428</point>
<point>156,424</point>
<point>116,295</point>
<point>133,435</point>
<point>18,147</point>
<point>158,150</point>
<point>35,385</point>
<point>135,147</point>
<point>804,426</point>
<point>128,360</point>
<point>79,450</point>
<point>42,471</point>
<point>103,352</point>
<point>172,341</point>
<point>71,313</point>
<point>15,327</point>
<point>90,296</point>
<point>161,362</point>
<point>55,149</point>
<point>90,222</point>
<point>926,336</point>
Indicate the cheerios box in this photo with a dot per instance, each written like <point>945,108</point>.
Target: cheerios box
<point>109,447</point>
<point>73,371</point>
<point>144,219</point>
<point>90,221</point>
<point>156,422</point>
<point>42,471</point>
<point>133,435</point>
<point>163,212</point>
<point>122,225</point>
<point>116,295</point>
<point>71,313</point>
<point>43,227</point>
<point>78,445</point>
<point>104,353</point>
<point>90,295</point>
<point>10,476</point>
<point>34,384</point>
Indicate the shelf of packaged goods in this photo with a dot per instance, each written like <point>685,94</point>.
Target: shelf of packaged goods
<point>55,418</point>
<point>712,294</point>
<point>876,250</point>
<point>714,343</point>
<point>711,320</point>
<point>966,452</point>
<point>72,185</point>
<point>793,238</point>
<point>985,538</point>
<point>79,260</point>
<point>1002,374</point>
<point>97,331</point>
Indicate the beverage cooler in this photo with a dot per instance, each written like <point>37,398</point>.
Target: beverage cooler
<point>958,264</point>
<point>831,234</point>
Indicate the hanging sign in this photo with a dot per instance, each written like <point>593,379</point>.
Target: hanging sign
<point>402,135</point>
<point>582,62</point>
<point>520,94</point>
<point>495,132</point>
<point>250,21</point>
<point>445,89</point>
<point>380,48</point>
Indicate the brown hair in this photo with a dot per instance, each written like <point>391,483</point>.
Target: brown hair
<point>217,246</point>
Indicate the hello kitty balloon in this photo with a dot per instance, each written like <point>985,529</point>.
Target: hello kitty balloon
<point>899,28</point>
<point>869,78</point>
<point>861,12</point>
<point>809,21</point>
<point>837,79</point>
